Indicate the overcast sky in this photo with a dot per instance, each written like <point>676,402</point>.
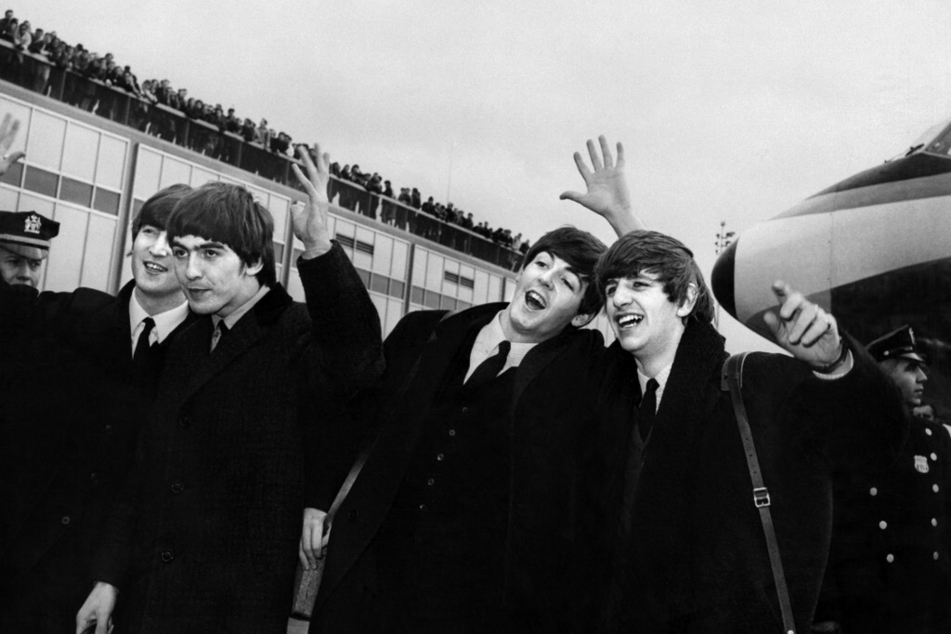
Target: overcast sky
<point>730,110</point>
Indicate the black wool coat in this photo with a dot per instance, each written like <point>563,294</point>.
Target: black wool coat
<point>550,424</point>
<point>205,536</point>
<point>698,561</point>
<point>72,407</point>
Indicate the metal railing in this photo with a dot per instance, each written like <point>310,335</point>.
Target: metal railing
<point>38,74</point>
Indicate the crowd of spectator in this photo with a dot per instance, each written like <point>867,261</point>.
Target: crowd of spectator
<point>204,128</point>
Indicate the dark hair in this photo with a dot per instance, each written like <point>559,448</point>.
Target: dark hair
<point>156,210</point>
<point>228,214</point>
<point>667,258</point>
<point>581,251</point>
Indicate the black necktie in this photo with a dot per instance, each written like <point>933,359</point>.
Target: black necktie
<point>217,334</point>
<point>143,346</point>
<point>648,409</point>
<point>490,368</point>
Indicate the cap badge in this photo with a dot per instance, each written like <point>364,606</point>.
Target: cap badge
<point>921,464</point>
<point>32,224</point>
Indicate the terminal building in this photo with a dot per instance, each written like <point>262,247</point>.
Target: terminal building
<point>94,154</point>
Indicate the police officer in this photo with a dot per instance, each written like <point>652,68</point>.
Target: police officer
<point>890,564</point>
<point>24,244</point>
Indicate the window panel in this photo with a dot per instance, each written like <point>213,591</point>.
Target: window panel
<point>394,312</point>
<point>148,172</point>
<point>419,266</point>
<point>8,198</point>
<point>398,266</point>
<point>174,171</point>
<point>79,152</point>
<point>383,249</point>
<point>110,166</point>
<point>480,294</point>
<point>279,208</point>
<point>97,261</point>
<point>74,191</point>
<point>14,175</point>
<point>39,205</point>
<point>379,302</point>
<point>40,181</point>
<point>45,145</point>
<point>200,176</point>
<point>494,293</point>
<point>106,201</point>
<point>67,250</point>
<point>434,271</point>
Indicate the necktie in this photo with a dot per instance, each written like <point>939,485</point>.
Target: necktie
<point>219,332</point>
<point>143,345</point>
<point>648,409</point>
<point>490,368</point>
<point>634,461</point>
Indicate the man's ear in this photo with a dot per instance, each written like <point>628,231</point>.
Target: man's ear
<point>582,319</point>
<point>686,306</point>
<point>254,269</point>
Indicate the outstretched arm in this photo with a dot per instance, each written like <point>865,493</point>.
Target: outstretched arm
<point>807,331</point>
<point>607,193</point>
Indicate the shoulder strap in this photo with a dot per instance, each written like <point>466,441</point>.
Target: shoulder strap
<point>362,458</point>
<point>732,381</point>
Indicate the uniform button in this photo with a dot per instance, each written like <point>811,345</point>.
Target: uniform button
<point>873,491</point>
<point>177,487</point>
<point>167,556</point>
<point>934,522</point>
<point>934,457</point>
<point>452,432</point>
<point>928,431</point>
<point>936,488</point>
<point>936,556</point>
<point>353,515</point>
<point>65,520</point>
<point>107,429</point>
<point>465,410</point>
<point>184,422</point>
<point>431,481</point>
<point>422,507</point>
<point>440,457</point>
<point>883,525</point>
<point>94,478</point>
<point>890,558</point>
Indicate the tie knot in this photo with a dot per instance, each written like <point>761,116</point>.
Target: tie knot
<point>504,347</point>
<point>652,386</point>
<point>149,324</point>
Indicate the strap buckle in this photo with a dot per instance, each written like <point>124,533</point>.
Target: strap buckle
<point>760,497</point>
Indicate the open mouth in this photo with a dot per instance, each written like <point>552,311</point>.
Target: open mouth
<point>535,301</point>
<point>152,267</point>
<point>624,321</point>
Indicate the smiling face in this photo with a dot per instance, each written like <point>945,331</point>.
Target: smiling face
<point>152,266</point>
<point>547,297</point>
<point>646,322</point>
<point>214,278</point>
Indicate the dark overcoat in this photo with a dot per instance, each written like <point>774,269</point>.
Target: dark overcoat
<point>70,413</point>
<point>205,536</point>
<point>698,560</point>
<point>890,564</point>
<point>549,424</point>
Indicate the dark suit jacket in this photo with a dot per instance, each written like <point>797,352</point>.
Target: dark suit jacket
<point>549,423</point>
<point>72,408</point>
<point>205,536</point>
<point>698,561</point>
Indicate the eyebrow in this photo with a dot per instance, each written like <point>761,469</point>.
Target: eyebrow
<point>202,246</point>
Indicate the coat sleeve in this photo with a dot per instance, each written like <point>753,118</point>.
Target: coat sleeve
<point>347,341</point>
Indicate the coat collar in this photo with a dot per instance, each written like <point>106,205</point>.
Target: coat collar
<point>194,348</point>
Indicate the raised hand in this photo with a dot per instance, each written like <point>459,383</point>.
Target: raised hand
<point>310,219</point>
<point>8,134</point>
<point>803,328</point>
<point>607,194</point>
